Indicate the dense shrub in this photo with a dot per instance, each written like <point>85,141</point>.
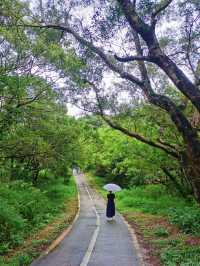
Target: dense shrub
<point>25,208</point>
<point>11,225</point>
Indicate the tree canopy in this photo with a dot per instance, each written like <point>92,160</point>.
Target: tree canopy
<point>114,56</point>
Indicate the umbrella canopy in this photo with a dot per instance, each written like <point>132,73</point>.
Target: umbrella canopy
<point>112,187</point>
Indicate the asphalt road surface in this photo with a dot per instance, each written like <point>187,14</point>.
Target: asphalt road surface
<point>93,240</point>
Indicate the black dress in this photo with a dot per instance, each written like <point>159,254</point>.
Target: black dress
<point>110,210</point>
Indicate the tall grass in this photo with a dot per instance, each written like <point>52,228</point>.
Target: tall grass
<point>151,199</point>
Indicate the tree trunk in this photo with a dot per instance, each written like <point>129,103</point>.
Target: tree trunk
<point>174,181</point>
<point>191,165</point>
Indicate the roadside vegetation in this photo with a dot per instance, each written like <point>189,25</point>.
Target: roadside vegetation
<point>32,217</point>
<point>38,148</point>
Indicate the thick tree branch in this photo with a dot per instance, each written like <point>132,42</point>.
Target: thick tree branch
<point>133,58</point>
<point>107,60</point>
<point>166,144</point>
<point>183,125</point>
<point>174,180</point>
<point>141,65</point>
<point>181,81</point>
<point>161,8</point>
<point>138,137</point>
<point>126,131</point>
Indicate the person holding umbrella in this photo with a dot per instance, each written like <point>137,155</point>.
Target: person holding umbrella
<point>110,209</point>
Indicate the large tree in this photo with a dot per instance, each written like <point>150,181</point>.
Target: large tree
<point>143,48</point>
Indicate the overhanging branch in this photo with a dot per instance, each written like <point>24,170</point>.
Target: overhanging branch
<point>133,58</point>
<point>161,8</point>
<point>181,122</point>
<point>138,137</point>
<point>106,59</point>
<point>126,131</point>
<point>166,144</point>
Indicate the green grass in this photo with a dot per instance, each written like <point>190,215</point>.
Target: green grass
<point>150,199</point>
<point>26,209</point>
<point>161,232</point>
<point>181,255</point>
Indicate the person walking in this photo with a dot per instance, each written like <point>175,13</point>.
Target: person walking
<point>110,210</point>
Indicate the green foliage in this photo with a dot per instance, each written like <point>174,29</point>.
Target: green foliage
<point>155,200</point>
<point>25,208</point>
<point>161,232</point>
<point>181,255</point>
<point>121,159</point>
<point>187,218</point>
<point>67,61</point>
<point>128,162</point>
<point>152,199</point>
<point>11,224</point>
<point>38,140</point>
<point>24,259</point>
<point>37,135</point>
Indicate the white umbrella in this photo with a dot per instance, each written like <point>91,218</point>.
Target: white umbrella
<point>112,187</point>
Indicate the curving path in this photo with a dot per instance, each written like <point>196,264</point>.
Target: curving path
<point>93,241</point>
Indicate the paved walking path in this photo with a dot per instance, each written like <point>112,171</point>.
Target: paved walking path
<point>93,241</point>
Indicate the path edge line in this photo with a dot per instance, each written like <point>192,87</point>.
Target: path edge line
<point>60,238</point>
<point>135,241</point>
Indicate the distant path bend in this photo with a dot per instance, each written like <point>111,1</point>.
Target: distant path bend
<point>93,241</point>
